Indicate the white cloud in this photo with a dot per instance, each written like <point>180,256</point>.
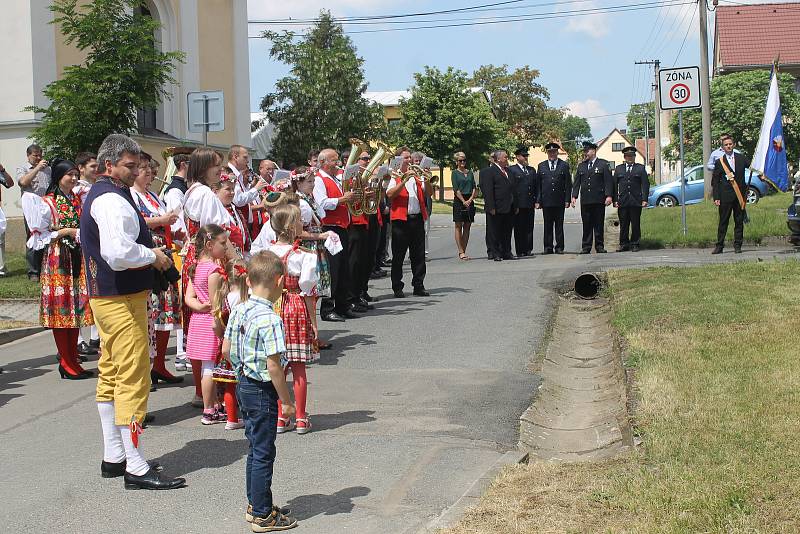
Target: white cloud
<point>594,25</point>
<point>596,115</point>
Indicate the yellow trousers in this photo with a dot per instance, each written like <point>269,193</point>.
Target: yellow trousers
<point>124,366</point>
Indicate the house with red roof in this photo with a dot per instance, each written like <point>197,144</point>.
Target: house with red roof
<point>748,37</point>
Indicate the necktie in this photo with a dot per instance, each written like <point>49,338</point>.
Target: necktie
<point>629,169</point>
<point>590,165</point>
<point>552,165</point>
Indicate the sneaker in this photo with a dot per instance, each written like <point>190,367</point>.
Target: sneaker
<point>284,425</point>
<point>234,425</point>
<point>210,419</point>
<point>275,522</point>
<point>181,364</point>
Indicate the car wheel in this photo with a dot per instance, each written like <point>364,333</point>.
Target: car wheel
<point>752,195</point>
<point>667,201</point>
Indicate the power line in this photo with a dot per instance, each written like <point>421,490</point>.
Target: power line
<point>558,15</point>
<point>688,29</point>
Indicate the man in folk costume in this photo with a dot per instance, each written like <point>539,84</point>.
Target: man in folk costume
<point>408,214</point>
<point>595,186</point>
<point>553,196</point>
<point>729,187</point>
<point>243,194</point>
<point>119,256</point>
<point>500,204</point>
<point>329,196</point>
<point>631,189</point>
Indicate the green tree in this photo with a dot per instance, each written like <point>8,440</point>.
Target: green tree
<point>520,101</point>
<point>636,120</point>
<point>124,71</point>
<point>443,116</point>
<point>574,130</point>
<point>320,103</point>
<point>737,108</point>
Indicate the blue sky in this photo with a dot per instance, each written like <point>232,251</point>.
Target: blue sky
<point>587,62</point>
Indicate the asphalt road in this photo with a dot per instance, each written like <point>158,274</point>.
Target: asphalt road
<point>415,402</point>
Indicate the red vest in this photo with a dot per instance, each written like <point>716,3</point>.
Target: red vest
<point>340,216</point>
<point>399,209</point>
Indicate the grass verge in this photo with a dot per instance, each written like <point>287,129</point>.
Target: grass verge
<point>661,227</point>
<point>16,284</point>
<point>445,207</point>
<point>717,380</point>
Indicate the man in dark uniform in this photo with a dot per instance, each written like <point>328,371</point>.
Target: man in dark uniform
<point>553,195</point>
<point>499,203</point>
<point>729,190</point>
<point>595,185</point>
<point>631,188</point>
<point>524,177</point>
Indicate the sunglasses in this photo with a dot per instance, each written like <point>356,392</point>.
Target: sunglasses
<point>460,160</point>
<point>365,158</point>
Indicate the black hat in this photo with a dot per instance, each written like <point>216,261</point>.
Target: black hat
<point>588,144</point>
<point>59,168</point>
<point>629,150</point>
<point>552,146</point>
<point>521,151</point>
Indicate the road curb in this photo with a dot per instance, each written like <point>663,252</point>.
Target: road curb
<point>472,496</point>
<point>7,336</point>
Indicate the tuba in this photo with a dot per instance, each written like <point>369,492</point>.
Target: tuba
<point>357,146</point>
<point>352,182</point>
<point>372,185</point>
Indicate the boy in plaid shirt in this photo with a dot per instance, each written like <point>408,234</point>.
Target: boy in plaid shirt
<point>254,344</point>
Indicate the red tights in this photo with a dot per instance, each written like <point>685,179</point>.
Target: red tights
<point>162,340</point>
<point>196,374</point>
<point>67,345</point>
<point>300,389</point>
<point>231,404</point>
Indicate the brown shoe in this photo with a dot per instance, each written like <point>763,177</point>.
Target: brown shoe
<point>275,522</point>
<point>248,515</point>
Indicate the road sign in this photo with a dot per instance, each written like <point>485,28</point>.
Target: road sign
<point>679,88</point>
<point>206,111</point>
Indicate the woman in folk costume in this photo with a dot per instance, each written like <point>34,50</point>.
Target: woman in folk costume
<point>239,235</point>
<point>202,207</point>
<point>297,308</point>
<point>164,306</point>
<point>64,300</point>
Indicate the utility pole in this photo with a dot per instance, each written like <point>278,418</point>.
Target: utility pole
<point>705,95</point>
<point>647,140</point>
<point>657,135</point>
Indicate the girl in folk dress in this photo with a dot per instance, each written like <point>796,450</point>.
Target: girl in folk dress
<point>232,291</point>
<point>239,235</point>
<point>202,207</point>
<point>297,308</point>
<point>64,300</point>
<point>202,344</point>
<point>164,306</point>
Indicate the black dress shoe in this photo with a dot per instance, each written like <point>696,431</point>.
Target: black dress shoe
<point>548,251</point>
<point>153,387</point>
<point>600,250</point>
<point>94,343</point>
<point>85,349</point>
<point>68,376</point>
<point>398,294</point>
<point>348,314</point>
<point>152,480</point>
<point>117,469</point>
<point>421,292</point>
<point>155,376</point>
<point>634,248</point>
<point>358,307</point>
<point>333,317</point>
<point>737,250</point>
<point>363,302</point>
<point>586,251</point>
<point>490,257</point>
<point>559,251</point>
<point>623,249</point>
<point>717,250</point>
<point>366,296</point>
<point>497,258</point>
<point>82,359</point>
<point>509,257</point>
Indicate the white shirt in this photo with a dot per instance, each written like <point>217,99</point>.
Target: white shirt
<point>265,239</point>
<point>173,200</point>
<point>39,219</point>
<point>411,187</point>
<point>242,196</point>
<point>82,189</point>
<point>204,207</point>
<point>307,213</point>
<point>146,200</point>
<point>321,193</point>
<point>300,263</point>
<point>40,182</point>
<point>118,228</point>
<point>712,160</point>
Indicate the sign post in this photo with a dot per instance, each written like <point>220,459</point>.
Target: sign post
<point>206,110</point>
<point>680,89</point>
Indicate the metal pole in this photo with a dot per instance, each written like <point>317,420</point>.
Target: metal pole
<point>205,120</point>
<point>705,97</point>
<point>657,133</point>
<point>683,173</point>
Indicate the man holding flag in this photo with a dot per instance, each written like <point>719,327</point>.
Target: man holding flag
<point>728,185</point>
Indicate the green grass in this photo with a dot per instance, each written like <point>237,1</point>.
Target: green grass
<point>445,207</point>
<point>16,283</point>
<point>716,382</point>
<point>661,227</point>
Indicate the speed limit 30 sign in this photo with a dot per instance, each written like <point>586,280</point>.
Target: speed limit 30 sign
<point>679,88</point>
